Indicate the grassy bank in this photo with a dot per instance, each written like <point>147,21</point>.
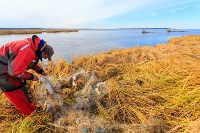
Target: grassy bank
<point>151,89</point>
<point>34,31</point>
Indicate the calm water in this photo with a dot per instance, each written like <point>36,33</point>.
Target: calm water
<point>85,42</point>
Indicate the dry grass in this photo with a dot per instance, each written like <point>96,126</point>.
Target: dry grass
<point>152,89</point>
<point>35,31</point>
<point>8,32</point>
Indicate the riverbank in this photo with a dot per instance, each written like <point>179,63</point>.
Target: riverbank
<point>34,31</point>
<point>150,89</point>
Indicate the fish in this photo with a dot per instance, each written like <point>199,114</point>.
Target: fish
<point>45,81</point>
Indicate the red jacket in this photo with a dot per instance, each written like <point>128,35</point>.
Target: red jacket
<point>18,56</point>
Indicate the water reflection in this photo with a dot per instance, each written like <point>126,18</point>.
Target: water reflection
<point>85,42</point>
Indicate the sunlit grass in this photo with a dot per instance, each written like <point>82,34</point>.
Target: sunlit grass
<point>152,89</point>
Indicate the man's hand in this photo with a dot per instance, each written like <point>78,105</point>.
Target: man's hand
<point>44,73</point>
<point>35,78</point>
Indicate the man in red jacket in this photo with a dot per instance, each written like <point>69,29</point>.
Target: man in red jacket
<point>15,59</point>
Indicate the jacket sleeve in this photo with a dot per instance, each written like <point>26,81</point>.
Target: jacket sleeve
<point>17,66</point>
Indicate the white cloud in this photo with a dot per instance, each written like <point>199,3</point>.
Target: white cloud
<point>70,14</point>
<point>54,13</point>
<point>96,10</point>
<point>177,9</point>
<point>154,14</point>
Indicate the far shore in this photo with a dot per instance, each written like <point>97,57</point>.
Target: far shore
<point>34,31</point>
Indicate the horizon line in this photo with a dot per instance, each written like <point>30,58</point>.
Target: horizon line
<point>98,28</point>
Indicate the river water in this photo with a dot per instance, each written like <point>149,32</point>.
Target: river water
<point>86,42</point>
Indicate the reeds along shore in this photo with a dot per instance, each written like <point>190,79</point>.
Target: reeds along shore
<point>152,89</point>
<point>35,31</point>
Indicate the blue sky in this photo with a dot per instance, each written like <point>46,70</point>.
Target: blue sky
<point>183,14</point>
